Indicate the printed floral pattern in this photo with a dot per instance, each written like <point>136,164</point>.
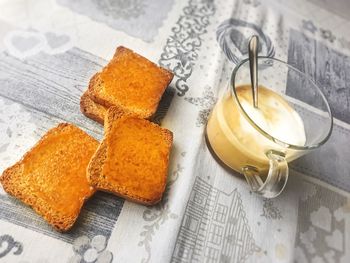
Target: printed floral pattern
<point>253,3</point>
<point>137,18</point>
<point>270,211</point>
<point>326,34</point>
<point>206,102</point>
<point>181,50</point>
<point>309,26</point>
<point>120,8</point>
<point>9,245</point>
<point>88,250</point>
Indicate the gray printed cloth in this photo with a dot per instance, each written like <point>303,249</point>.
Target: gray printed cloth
<point>50,49</point>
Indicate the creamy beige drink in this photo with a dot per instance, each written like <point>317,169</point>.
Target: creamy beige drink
<point>238,143</point>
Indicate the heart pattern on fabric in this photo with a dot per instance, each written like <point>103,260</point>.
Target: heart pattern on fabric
<point>57,43</point>
<point>25,43</point>
<point>335,240</point>
<point>322,218</point>
<point>22,44</point>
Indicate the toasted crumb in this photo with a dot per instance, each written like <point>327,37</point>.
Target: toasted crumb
<point>132,160</point>
<point>51,177</point>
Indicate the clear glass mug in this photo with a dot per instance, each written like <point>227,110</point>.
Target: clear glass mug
<point>260,143</point>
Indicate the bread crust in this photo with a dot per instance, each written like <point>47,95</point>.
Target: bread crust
<point>92,109</point>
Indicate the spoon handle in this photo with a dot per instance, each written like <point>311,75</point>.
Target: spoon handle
<point>253,64</point>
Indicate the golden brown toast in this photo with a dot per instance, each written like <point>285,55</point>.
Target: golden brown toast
<point>51,177</point>
<point>92,109</point>
<point>132,160</point>
<point>131,83</point>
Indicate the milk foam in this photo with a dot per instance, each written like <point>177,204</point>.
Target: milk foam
<point>285,124</point>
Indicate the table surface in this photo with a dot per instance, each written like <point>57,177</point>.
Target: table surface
<point>50,49</point>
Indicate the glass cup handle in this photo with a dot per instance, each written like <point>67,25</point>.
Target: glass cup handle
<point>276,179</point>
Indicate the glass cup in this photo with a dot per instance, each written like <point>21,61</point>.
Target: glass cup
<point>259,143</point>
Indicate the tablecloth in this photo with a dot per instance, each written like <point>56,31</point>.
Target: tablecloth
<point>50,49</point>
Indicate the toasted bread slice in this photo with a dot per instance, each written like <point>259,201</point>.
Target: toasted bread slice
<point>51,177</point>
<point>92,109</point>
<point>132,160</point>
<point>130,82</point>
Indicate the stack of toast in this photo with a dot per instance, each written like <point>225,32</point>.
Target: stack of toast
<point>67,165</point>
<point>118,84</point>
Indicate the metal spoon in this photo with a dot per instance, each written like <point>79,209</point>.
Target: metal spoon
<point>253,65</point>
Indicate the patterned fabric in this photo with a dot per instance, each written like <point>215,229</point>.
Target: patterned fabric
<point>50,49</point>
<point>138,18</point>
